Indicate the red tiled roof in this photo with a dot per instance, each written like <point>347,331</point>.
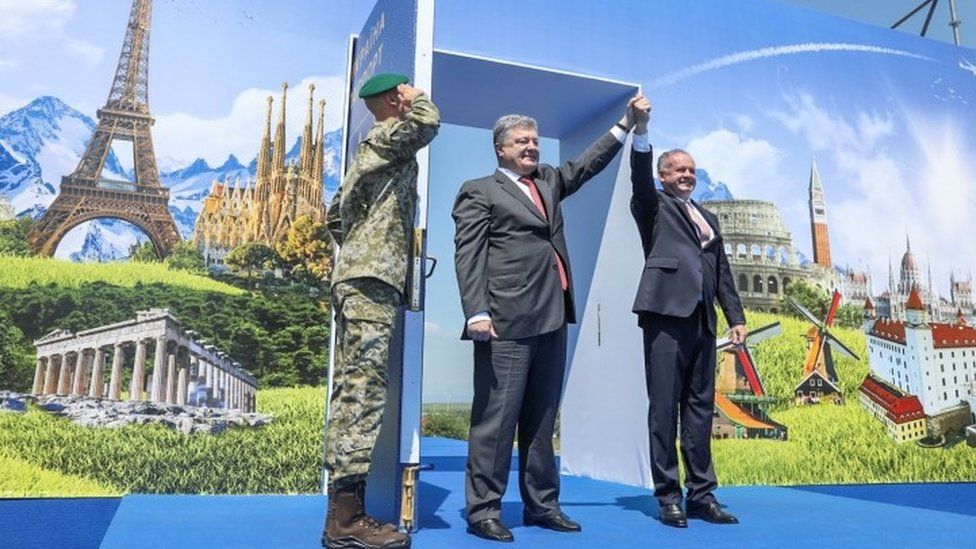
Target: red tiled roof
<point>953,336</point>
<point>891,330</point>
<point>868,304</point>
<point>898,406</point>
<point>914,301</point>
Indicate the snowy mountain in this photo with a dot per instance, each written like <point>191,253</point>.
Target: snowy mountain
<point>105,240</point>
<point>44,141</point>
<point>705,189</point>
<point>40,143</point>
<point>191,184</point>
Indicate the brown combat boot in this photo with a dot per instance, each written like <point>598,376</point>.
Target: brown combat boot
<point>347,526</point>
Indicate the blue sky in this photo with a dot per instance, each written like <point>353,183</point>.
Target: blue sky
<point>213,62</point>
<point>888,116</point>
<point>756,95</point>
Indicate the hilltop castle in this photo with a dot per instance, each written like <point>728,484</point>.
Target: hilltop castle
<point>263,209</point>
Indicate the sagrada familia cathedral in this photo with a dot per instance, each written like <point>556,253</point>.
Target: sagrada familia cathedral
<point>263,209</point>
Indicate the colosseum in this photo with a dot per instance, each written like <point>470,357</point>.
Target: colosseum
<point>760,251</point>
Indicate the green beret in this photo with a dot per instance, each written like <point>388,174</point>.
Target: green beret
<point>381,83</point>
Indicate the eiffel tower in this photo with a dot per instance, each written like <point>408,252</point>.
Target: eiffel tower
<point>86,194</point>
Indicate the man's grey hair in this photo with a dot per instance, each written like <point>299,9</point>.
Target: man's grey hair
<point>664,161</point>
<point>508,122</point>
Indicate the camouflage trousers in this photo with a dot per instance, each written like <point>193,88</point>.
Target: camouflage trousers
<point>365,310</point>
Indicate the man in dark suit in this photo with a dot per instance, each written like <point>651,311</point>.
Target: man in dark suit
<point>685,272</point>
<point>517,294</point>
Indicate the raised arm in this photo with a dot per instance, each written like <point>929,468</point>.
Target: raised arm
<point>643,201</point>
<point>416,129</point>
<point>572,174</point>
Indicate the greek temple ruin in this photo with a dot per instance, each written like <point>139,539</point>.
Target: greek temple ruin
<point>185,370</point>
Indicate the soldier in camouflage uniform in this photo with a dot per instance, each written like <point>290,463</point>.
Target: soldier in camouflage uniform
<point>371,218</point>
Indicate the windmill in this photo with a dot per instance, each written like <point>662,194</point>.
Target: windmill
<point>820,379</point>
<point>741,399</point>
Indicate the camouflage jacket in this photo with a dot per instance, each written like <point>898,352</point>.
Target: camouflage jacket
<point>371,216</point>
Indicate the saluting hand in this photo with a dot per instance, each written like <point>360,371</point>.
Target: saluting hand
<point>407,94</point>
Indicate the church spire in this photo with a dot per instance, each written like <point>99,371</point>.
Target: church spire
<point>279,142</point>
<point>319,165</point>
<point>264,153</point>
<point>306,158</point>
<point>891,276</point>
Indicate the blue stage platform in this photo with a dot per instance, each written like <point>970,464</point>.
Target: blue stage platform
<point>613,515</point>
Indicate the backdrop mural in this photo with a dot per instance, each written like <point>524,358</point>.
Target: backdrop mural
<point>833,153</point>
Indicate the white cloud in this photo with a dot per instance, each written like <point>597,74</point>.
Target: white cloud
<point>888,176</point>
<point>744,122</point>
<point>90,54</point>
<point>776,51</point>
<point>739,162</point>
<point>183,137</point>
<point>33,24</point>
<point>21,19</point>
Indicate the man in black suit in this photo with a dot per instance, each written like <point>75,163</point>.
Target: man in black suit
<point>517,294</point>
<point>685,272</point>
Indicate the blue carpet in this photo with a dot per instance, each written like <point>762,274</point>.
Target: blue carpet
<point>42,523</point>
<point>951,497</point>
<point>612,515</point>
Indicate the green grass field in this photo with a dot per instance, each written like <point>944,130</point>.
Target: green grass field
<point>22,479</point>
<point>18,272</point>
<point>779,359</point>
<point>44,455</point>
<point>283,457</point>
<point>831,444</point>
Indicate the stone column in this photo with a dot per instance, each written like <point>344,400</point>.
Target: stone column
<point>38,376</point>
<point>97,386</point>
<point>138,371</point>
<point>81,366</point>
<point>209,383</point>
<point>115,380</point>
<point>64,378</point>
<point>181,387</point>
<point>224,386</point>
<point>51,377</point>
<point>159,371</point>
<point>170,384</point>
<point>194,379</point>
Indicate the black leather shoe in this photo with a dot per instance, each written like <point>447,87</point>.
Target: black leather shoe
<point>558,522</point>
<point>672,515</point>
<point>711,512</point>
<point>491,529</point>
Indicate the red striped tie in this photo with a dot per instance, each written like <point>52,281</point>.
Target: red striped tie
<point>537,200</point>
